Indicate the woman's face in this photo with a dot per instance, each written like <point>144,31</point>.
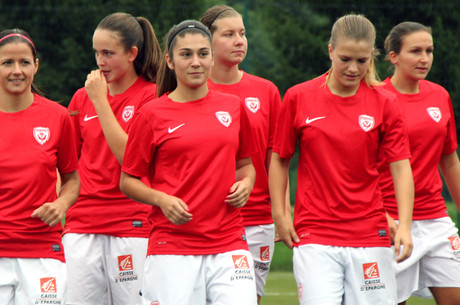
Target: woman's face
<point>229,41</point>
<point>350,62</point>
<point>416,56</point>
<point>111,56</point>
<point>17,68</point>
<point>191,60</point>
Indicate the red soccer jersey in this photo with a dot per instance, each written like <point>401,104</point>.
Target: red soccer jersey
<point>34,142</point>
<point>338,199</point>
<point>189,150</point>
<point>432,133</point>
<point>102,208</point>
<point>262,101</point>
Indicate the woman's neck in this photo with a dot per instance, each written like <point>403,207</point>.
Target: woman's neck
<point>225,75</point>
<point>15,103</point>
<point>184,94</point>
<point>405,85</point>
<point>123,84</point>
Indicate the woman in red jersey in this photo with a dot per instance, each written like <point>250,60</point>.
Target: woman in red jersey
<point>342,119</point>
<point>262,101</point>
<point>194,145</point>
<point>36,140</point>
<point>427,108</point>
<point>106,233</point>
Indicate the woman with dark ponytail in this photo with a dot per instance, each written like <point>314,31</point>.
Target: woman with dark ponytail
<point>106,232</point>
<point>195,147</point>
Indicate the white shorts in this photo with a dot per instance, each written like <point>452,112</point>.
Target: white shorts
<point>224,279</point>
<point>435,259</point>
<point>28,281</point>
<point>104,269</point>
<point>330,275</point>
<point>261,242</point>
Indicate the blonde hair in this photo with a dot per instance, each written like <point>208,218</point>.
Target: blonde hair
<point>358,28</point>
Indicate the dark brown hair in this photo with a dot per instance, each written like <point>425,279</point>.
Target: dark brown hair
<point>136,32</point>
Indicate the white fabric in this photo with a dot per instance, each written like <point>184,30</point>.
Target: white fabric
<point>104,269</point>
<point>224,279</point>
<point>344,275</point>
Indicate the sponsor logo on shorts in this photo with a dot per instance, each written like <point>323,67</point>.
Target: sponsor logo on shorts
<point>300,292</point>
<point>41,134</point>
<point>252,103</point>
<point>224,118</point>
<point>371,277</point>
<point>242,269</point>
<point>366,122</point>
<point>435,113</point>
<point>265,253</point>
<point>48,289</point>
<point>125,262</point>
<point>455,243</point>
<point>128,113</point>
<point>155,303</point>
<point>240,261</point>
<point>48,284</point>
<point>126,269</point>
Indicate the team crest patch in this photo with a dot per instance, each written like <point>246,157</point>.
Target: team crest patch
<point>435,113</point>
<point>128,113</point>
<point>41,134</point>
<point>265,253</point>
<point>125,262</point>
<point>252,103</point>
<point>366,122</point>
<point>48,285</point>
<point>224,118</point>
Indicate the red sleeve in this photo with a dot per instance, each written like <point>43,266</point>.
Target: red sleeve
<point>140,148</point>
<point>75,121</point>
<point>247,145</point>
<point>395,143</point>
<point>450,144</point>
<point>286,135</point>
<point>67,160</point>
<point>275,104</point>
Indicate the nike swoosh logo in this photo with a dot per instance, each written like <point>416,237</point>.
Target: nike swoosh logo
<point>308,121</point>
<point>171,130</point>
<point>87,118</point>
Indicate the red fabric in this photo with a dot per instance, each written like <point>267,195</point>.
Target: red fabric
<point>338,200</point>
<point>188,152</point>
<point>262,102</point>
<point>28,161</point>
<point>102,208</point>
<point>432,133</point>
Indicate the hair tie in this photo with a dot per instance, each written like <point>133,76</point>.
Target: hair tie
<point>189,26</point>
<point>19,35</point>
<point>217,16</point>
